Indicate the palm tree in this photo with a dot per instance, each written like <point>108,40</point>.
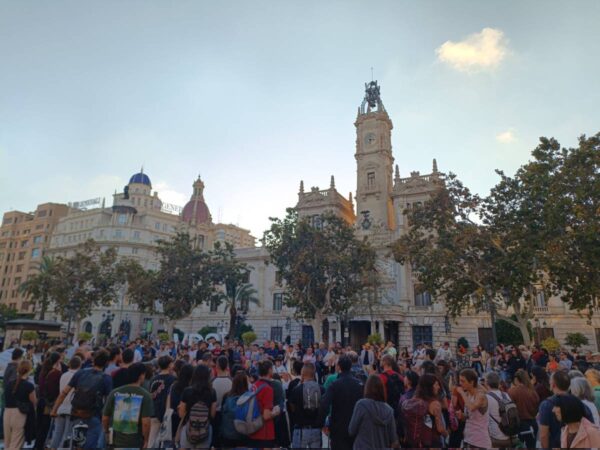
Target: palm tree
<point>39,286</point>
<point>238,299</point>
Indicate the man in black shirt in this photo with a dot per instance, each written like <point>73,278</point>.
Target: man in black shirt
<point>120,376</point>
<point>341,396</point>
<point>304,402</point>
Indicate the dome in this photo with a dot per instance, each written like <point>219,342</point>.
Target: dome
<point>196,211</point>
<point>140,178</point>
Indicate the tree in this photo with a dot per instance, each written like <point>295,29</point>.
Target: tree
<point>39,286</point>
<point>576,340</point>
<point>229,277</point>
<point>182,282</point>
<point>7,314</point>
<point>88,279</point>
<point>324,269</point>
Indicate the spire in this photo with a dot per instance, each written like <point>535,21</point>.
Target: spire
<point>435,169</point>
<point>397,173</point>
<point>332,184</point>
<point>142,169</point>
<point>301,186</point>
<point>350,197</point>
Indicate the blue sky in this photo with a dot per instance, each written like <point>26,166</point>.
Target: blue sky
<point>256,96</point>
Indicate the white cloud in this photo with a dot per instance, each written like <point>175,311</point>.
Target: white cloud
<point>170,195</point>
<point>506,137</point>
<point>479,51</point>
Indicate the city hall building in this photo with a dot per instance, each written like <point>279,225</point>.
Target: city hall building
<point>137,219</point>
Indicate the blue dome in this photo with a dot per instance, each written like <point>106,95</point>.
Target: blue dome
<point>140,178</point>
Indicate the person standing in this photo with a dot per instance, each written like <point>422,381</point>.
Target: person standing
<point>476,433</point>
<point>221,384</point>
<point>197,408</point>
<point>160,385</point>
<point>10,373</point>
<point>62,422</point>
<point>119,375</point>
<point>578,431</point>
<point>527,400</point>
<point>91,387</point>
<point>372,423</point>
<point>19,403</point>
<point>494,397</point>
<point>367,358</point>
<point>127,411</point>
<point>342,396</point>
<point>304,402</point>
<point>265,436</point>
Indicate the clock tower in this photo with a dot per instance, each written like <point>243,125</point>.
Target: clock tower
<point>374,161</point>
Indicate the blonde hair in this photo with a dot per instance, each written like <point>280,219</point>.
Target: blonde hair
<point>23,369</point>
<point>593,376</point>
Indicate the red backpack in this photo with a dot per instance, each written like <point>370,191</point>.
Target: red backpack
<point>417,434</point>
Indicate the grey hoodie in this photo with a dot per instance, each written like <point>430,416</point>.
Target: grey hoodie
<point>373,425</point>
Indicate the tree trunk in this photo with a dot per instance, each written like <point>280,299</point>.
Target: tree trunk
<point>524,330</point>
<point>318,326</point>
<point>232,319</point>
<point>170,328</point>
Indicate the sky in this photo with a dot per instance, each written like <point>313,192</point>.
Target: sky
<point>257,95</point>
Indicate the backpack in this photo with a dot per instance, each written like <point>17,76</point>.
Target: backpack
<point>311,395</point>
<point>395,389</point>
<point>509,415</point>
<point>417,434</point>
<point>228,409</point>
<point>86,399</point>
<point>248,416</point>
<point>198,424</point>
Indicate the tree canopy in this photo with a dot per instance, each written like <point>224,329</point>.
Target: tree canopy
<point>324,269</point>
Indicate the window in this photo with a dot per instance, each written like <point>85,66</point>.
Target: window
<point>213,305</point>
<point>19,268</point>
<point>118,234</point>
<point>277,334</point>
<point>422,335</point>
<point>122,219</point>
<point>22,254</point>
<point>37,239</point>
<point>317,222</point>
<point>277,301</point>
<point>35,253</point>
<point>134,250</point>
<point>422,298</point>
<point>200,240</point>
<point>42,213</point>
<point>17,281</point>
<point>540,299</point>
<point>24,243</point>
<point>157,226</point>
<point>136,235</point>
<point>371,179</point>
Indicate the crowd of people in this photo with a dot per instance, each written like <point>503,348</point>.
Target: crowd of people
<point>224,395</point>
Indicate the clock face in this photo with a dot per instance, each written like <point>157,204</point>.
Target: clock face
<point>370,139</point>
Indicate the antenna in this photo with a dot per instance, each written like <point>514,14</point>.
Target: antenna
<point>371,73</point>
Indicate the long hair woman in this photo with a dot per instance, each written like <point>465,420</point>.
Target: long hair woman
<point>541,382</point>
<point>230,438</point>
<point>372,421</point>
<point>200,390</point>
<point>48,384</point>
<point>19,402</point>
<point>527,400</point>
<point>184,378</point>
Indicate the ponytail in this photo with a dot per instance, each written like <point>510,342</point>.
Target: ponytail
<point>23,369</point>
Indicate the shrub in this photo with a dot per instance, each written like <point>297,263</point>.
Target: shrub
<point>551,344</point>
<point>84,336</point>
<point>576,340</point>
<point>164,337</point>
<point>249,337</point>
<point>30,336</point>
<point>207,330</point>
<point>375,339</point>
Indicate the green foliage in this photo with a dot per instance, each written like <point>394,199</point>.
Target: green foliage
<point>551,344</point>
<point>508,334</point>
<point>576,340</point>
<point>375,339</point>
<point>249,337</point>
<point>244,328</point>
<point>84,335</point>
<point>462,341</point>
<point>180,334</point>
<point>88,279</point>
<point>7,314</point>
<point>207,330</point>
<point>164,337</point>
<point>30,335</point>
<point>38,288</point>
<point>325,269</point>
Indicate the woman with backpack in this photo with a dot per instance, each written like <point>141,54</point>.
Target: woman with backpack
<point>372,424</point>
<point>49,389</point>
<point>19,406</point>
<point>184,378</point>
<point>230,438</point>
<point>197,408</point>
<point>422,415</point>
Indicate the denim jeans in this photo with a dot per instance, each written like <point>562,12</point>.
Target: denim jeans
<point>306,438</point>
<point>62,428</point>
<point>94,438</point>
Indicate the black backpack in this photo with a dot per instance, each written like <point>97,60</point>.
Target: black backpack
<point>509,422</point>
<point>86,397</point>
<point>395,389</point>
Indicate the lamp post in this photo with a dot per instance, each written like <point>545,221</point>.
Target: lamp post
<point>492,307</point>
<point>288,327</point>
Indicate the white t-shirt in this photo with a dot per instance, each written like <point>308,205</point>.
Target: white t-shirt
<point>65,406</point>
<point>594,410</point>
<point>221,385</point>
<point>494,413</point>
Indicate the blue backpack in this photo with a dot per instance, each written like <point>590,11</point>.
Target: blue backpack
<point>248,417</point>
<point>228,410</point>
